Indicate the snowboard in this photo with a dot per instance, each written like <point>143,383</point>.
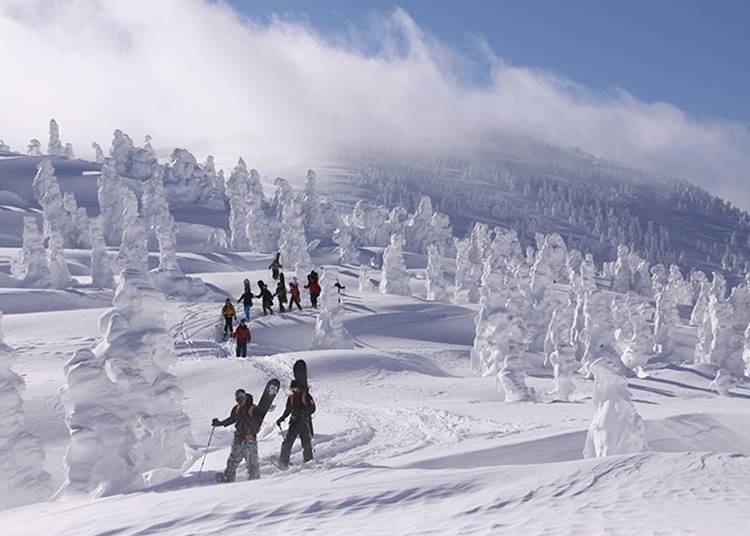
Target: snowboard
<point>300,374</point>
<point>266,400</point>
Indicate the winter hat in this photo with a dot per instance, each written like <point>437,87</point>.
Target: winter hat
<point>294,384</point>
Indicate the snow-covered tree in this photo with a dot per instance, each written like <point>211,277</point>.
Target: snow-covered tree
<point>598,334</point>
<point>68,151</point>
<point>133,253</point>
<point>4,147</point>
<point>365,284</point>
<point>680,290</point>
<point>22,475</point>
<point>616,427</point>
<point>59,275</point>
<point>559,351</point>
<point>311,204</point>
<point>112,194</point>
<point>746,351</point>
<point>342,237</point>
<point>55,146</point>
<point>633,333</point>
<point>78,231</point>
<point>724,382</point>
<point>121,153</point>
<point>160,221</point>
<point>237,188</point>
<point>329,328</point>
<point>47,192</point>
<point>666,319</point>
<point>659,278</point>
<point>30,266</point>
<point>217,240</point>
<point>101,266</point>
<point>262,230</point>
<point>642,279</point>
<point>34,148</point>
<point>99,460</point>
<point>98,152</point>
<point>395,278</point>
<point>293,242</point>
<point>417,228</point>
<point>701,301</point>
<point>189,182</point>
<point>436,284</point>
<point>622,273</point>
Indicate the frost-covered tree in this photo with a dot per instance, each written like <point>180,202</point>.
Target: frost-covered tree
<point>237,188</point>
<point>55,146</point>
<point>436,284</point>
<point>113,194</point>
<point>724,382</point>
<point>217,240</point>
<point>121,152</point>
<point>133,253</point>
<point>342,237</point>
<point>680,290</point>
<point>418,226</point>
<point>293,242</point>
<point>740,300</point>
<point>642,279</point>
<point>311,204</point>
<point>59,275</point>
<point>329,328</point>
<point>98,152</point>
<point>598,334</point>
<point>616,427</point>
<point>622,275</point>
<point>701,301</point>
<point>47,192</point>
<point>262,230</point>
<point>34,148</point>
<point>78,230</point>
<point>395,278</point>
<point>30,266</point>
<point>68,151</point>
<point>559,351</point>
<point>187,181</point>
<point>136,353</point>
<point>666,319</point>
<point>22,475</point>
<point>160,221</point>
<point>101,266</point>
<point>99,460</point>
<point>4,147</point>
<point>633,333</point>
<point>365,284</point>
<point>659,278</point>
<point>746,351</point>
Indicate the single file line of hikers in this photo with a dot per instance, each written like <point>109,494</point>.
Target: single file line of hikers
<point>286,298</point>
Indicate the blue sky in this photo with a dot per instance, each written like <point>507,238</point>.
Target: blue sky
<point>693,54</point>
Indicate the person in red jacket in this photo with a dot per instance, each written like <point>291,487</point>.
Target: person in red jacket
<point>313,287</point>
<point>294,297</point>
<point>242,337</point>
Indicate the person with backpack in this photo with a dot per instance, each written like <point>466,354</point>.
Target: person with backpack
<point>266,298</point>
<point>246,300</point>
<point>299,407</point>
<point>313,287</point>
<point>229,313</point>
<point>276,267</point>
<point>294,295</point>
<point>244,445</point>
<point>242,338</point>
<point>281,292</point>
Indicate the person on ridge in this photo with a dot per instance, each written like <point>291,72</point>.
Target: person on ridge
<point>229,313</point>
<point>244,445</point>
<point>275,266</point>
<point>281,292</point>
<point>294,296</point>
<point>242,338</point>
<point>339,288</point>
<point>299,407</point>
<point>246,300</point>
<point>313,287</point>
<point>266,298</point>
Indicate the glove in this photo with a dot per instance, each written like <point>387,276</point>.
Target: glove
<point>215,422</point>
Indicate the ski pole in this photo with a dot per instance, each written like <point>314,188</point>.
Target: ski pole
<point>210,436</point>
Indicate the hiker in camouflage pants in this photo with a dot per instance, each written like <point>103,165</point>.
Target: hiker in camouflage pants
<point>244,445</point>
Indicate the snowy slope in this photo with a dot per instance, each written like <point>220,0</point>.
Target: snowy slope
<point>407,440</point>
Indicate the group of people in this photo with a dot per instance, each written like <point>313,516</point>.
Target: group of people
<point>299,408</point>
<point>287,298</point>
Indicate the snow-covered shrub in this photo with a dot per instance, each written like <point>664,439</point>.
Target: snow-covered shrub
<point>329,328</point>
<point>293,242</point>
<point>55,146</point>
<point>34,148</point>
<point>101,265</point>
<point>30,266</point>
<point>395,278</point>
<point>22,475</point>
<point>237,189</point>
<point>616,427</point>
<point>365,284</point>
<point>59,275</point>
<point>99,460</point>
<point>437,286</point>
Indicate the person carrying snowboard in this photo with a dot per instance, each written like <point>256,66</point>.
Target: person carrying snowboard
<point>266,298</point>
<point>275,266</point>
<point>299,407</point>
<point>244,445</point>
<point>229,313</point>
<point>294,296</point>
<point>281,292</point>
<point>313,287</point>
<point>242,338</point>
<point>246,300</point>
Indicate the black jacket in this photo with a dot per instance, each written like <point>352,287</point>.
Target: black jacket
<point>245,423</point>
<point>266,296</point>
<point>299,405</point>
<point>246,298</point>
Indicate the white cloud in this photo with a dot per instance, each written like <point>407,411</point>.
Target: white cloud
<point>190,70</point>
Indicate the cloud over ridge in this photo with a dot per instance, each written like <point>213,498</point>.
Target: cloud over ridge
<point>192,70</point>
